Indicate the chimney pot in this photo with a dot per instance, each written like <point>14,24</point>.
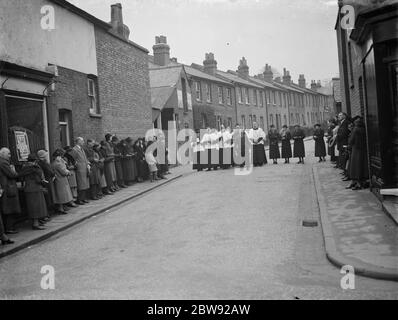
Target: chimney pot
<point>117,21</point>
<point>210,64</point>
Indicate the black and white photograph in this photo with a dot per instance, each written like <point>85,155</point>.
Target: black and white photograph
<point>226,152</point>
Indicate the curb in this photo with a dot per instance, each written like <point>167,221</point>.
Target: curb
<point>335,257</point>
<point>81,219</point>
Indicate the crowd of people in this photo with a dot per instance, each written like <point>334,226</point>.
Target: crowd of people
<point>219,149</point>
<point>348,136</point>
<point>73,177</point>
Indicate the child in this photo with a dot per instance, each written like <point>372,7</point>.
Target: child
<point>152,163</point>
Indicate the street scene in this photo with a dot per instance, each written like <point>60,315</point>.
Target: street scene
<point>130,174</point>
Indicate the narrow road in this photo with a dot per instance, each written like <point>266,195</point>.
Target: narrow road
<point>210,235</point>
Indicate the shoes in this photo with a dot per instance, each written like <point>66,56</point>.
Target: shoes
<point>350,186</point>
<point>80,203</point>
<point>11,231</point>
<point>357,187</point>
<point>95,198</point>
<point>61,212</point>
<point>85,201</point>
<point>38,228</point>
<point>346,179</point>
<point>5,242</point>
<point>72,205</point>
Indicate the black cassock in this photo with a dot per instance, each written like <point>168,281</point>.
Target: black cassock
<point>320,147</point>
<point>298,148</point>
<point>273,137</point>
<point>286,146</point>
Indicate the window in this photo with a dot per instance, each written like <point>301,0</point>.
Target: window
<point>229,123</point>
<point>229,95</point>
<point>262,123</point>
<point>274,96</point>
<point>184,94</point>
<point>246,90</point>
<point>260,97</point>
<point>303,119</point>
<point>291,118</point>
<point>250,121</point>
<point>255,93</point>
<point>254,118</point>
<point>280,99</point>
<point>204,121</point>
<point>208,92</point>
<point>219,123</point>
<point>92,93</point>
<point>243,122</point>
<point>308,117</point>
<point>65,117</point>
<point>220,95</point>
<point>285,120</point>
<point>239,91</point>
<point>271,119</point>
<point>198,91</point>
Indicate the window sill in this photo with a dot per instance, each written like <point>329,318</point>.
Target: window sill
<point>95,115</point>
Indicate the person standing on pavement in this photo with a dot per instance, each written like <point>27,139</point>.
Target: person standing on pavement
<point>298,147</point>
<point>82,171</point>
<point>286,136</point>
<point>117,148</point>
<point>71,166</point>
<point>3,236</point>
<point>10,205</point>
<point>320,147</point>
<point>128,161</point>
<point>109,164</point>
<point>62,194</point>
<point>206,143</point>
<point>49,175</point>
<point>94,176</point>
<point>342,140</point>
<point>273,137</point>
<point>34,185</point>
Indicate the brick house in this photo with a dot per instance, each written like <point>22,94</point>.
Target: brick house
<point>368,66</point>
<point>213,98</point>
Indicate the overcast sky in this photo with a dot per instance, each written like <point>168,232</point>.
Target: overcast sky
<point>296,34</point>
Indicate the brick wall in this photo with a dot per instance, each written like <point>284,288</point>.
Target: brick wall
<point>123,81</point>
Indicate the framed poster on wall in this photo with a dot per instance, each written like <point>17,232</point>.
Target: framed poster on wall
<point>22,145</point>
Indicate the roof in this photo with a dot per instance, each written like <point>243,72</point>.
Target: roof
<point>233,76</point>
<point>203,75</point>
<point>283,86</point>
<point>152,65</point>
<point>94,20</point>
<point>264,83</point>
<point>307,90</point>
<point>163,82</point>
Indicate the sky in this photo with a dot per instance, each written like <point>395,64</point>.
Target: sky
<point>297,35</point>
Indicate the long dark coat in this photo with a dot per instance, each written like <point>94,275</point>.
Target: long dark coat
<point>62,193</point>
<point>142,166</point>
<point>273,137</point>
<point>118,162</point>
<point>320,147</point>
<point>358,169</point>
<point>109,163</point>
<point>82,172</point>
<point>94,158</point>
<point>331,149</point>
<point>342,135</point>
<point>128,163</point>
<point>10,199</point>
<point>286,145</point>
<point>298,148</point>
<point>34,192</point>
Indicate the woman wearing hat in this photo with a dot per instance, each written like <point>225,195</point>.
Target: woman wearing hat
<point>286,145</point>
<point>71,166</point>
<point>34,184</point>
<point>62,194</point>
<point>320,147</point>
<point>273,136</point>
<point>128,161</point>
<point>298,148</point>
<point>49,175</point>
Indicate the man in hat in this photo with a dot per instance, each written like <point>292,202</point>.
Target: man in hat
<point>49,175</point>
<point>82,171</point>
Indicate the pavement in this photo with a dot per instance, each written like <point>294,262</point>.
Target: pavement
<point>28,237</point>
<point>357,232</point>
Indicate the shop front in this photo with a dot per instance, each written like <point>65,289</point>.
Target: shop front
<point>23,110</point>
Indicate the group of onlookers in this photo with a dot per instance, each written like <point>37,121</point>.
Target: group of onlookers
<point>71,178</point>
<point>348,136</point>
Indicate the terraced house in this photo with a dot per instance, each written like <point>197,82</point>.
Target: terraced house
<point>213,98</point>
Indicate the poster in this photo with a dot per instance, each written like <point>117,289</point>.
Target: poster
<point>22,145</point>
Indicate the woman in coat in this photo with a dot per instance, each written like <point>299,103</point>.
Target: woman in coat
<point>62,195</point>
<point>34,184</point>
<point>331,142</point>
<point>358,169</point>
<point>94,175</point>
<point>109,164</point>
<point>3,237</point>
<point>273,137</point>
<point>142,166</point>
<point>71,166</point>
<point>128,161</point>
<point>101,161</point>
<point>117,148</point>
<point>320,147</point>
<point>298,147</point>
<point>286,145</point>
<point>10,206</point>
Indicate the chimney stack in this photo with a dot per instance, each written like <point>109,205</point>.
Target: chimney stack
<point>210,64</point>
<point>243,69</point>
<point>287,80</point>
<point>301,81</point>
<point>319,84</point>
<point>278,79</point>
<point>313,84</point>
<point>161,51</point>
<point>268,74</point>
<point>118,27</point>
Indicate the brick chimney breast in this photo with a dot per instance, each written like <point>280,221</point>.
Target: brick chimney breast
<point>161,51</point>
<point>118,27</point>
<point>301,81</point>
<point>313,84</point>
<point>268,74</point>
<point>210,64</point>
<point>287,80</point>
<point>243,69</point>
